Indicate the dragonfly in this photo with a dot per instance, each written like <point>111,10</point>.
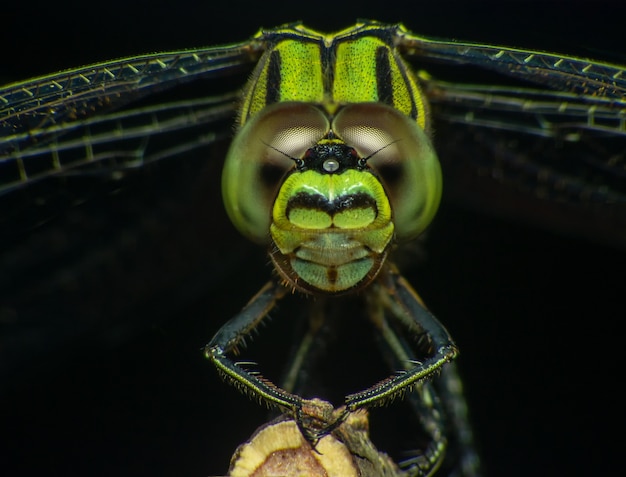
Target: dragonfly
<point>585,108</point>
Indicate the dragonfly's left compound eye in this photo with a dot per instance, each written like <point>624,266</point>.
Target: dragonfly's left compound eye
<point>260,156</point>
<point>402,156</point>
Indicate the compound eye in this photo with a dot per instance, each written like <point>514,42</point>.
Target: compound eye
<point>263,151</point>
<point>400,153</point>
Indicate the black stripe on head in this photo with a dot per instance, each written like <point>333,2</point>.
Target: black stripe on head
<point>339,204</point>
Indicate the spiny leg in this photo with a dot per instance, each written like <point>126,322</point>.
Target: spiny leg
<point>422,398</point>
<point>234,333</point>
<point>404,306</point>
<point>440,405</point>
<point>407,309</point>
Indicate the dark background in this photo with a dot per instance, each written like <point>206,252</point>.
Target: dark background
<point>104,374</point>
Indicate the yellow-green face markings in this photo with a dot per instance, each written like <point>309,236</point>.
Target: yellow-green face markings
<point>330,230</point>
<point>332,160</point>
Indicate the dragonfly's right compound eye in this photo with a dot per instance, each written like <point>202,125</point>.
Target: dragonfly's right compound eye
<point>402,156</point>
<point>261,154</point>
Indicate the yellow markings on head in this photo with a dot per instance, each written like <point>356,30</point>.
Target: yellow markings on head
<point>354,218</point>
<point>306,218</point>
<point>331,200</point>
<point>330,230</point>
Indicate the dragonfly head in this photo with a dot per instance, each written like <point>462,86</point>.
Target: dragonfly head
<point>328,192</point>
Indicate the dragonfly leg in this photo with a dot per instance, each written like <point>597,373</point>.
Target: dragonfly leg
<point>406,308</point>
<point>423,400</point>
<point>234,333</point>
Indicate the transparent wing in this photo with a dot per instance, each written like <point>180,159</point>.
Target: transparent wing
<point>117,141</point>
<point>37,114</point>
<point>35,105</point>
<point>574,126</point>
<point>66,140</point>
<point>553,156</point>
<point>589,78</point>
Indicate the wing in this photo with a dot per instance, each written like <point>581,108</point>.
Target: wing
<point>37,114</point>
<point>66,141</point>
<point>552,156</point>
<point>588,78</point>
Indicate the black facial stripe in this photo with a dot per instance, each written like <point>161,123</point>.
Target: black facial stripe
<point>318,202</point>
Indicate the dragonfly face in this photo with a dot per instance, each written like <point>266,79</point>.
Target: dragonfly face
<point>445,98</point>
<point>331,192</point>
<point>333,141</point>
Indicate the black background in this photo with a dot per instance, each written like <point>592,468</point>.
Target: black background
<point>536,314</point>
